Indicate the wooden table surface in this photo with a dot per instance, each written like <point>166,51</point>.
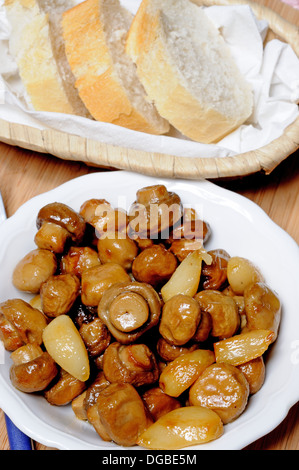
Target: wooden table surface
<point>24,174</point>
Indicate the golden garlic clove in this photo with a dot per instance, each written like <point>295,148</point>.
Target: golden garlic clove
<point>241,272</point>
<point>244,347</point>
<point>65,345</point>
<point>185,279</point>
<point>188,426</point>
<point>181,373</point>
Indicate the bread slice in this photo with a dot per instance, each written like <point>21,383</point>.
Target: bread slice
<point>94,33</point>
<point>187,70</point>
<point>37,46</point>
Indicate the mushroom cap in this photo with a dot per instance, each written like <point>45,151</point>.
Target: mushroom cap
<point>65,216</point>
<point>158,208</point>
<point>35,375</point>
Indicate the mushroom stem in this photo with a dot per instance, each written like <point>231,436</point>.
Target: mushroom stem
<point>128,311</point>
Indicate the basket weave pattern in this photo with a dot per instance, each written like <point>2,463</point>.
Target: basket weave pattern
<point>77,148</point>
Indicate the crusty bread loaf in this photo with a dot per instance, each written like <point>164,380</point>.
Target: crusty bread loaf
<point>187,69</point>
<point>94,33</point>
<point>37,46</point>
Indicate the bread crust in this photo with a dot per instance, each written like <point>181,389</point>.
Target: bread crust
<point>34,56</point>
<point>147,46</point>
<point>97,81</point>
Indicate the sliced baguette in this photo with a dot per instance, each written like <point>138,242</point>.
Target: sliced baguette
<point>37,46</point>
<point>187,69</point>
<point>94,34</point>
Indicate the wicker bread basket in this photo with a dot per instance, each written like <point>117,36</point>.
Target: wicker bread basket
<point>71,147</point>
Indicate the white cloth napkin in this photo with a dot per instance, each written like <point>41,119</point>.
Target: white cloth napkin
<point>273,72</point>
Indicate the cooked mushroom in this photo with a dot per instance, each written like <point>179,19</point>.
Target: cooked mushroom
<point>143,243</point>
<point>133,363</point>
<point>111,220</point>
<point>82,314</point>
<point>215,274</point>
<point>129,310</point>
<point>52,237</point>
<point>159,403</point>
<point>20,324</point>
<point>180,318</point>
<point>122,413</point>
<point>194,229</point>
<point>254,372</point>
<point>223,310</point>
<point>88,209</point>
<point>35,302</point>
<point>90,404</point>
<point>183,247</point>
<point>58,294</point>
<point>65,216</point>
<point>34,269</point>
<point>155,211</point>
<point>34,375</point>
<point>96,337</point>
<point>26,353</point>
<point>78,259</point>
<point>117,248</point>
<point>223,388</point>
<point>103,217</point>
<point>78,406</point>
<point>169,352</point>
<point>262,307</point>
<point>64,390</point>
<point>204,328</point>
<point>154,265</point>
<point>96,280</point>
<point>9,335</point>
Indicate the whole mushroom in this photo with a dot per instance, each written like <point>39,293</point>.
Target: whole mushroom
<point>90,404</point>
<point>117,248</point>
<point>159,403</point>
<point>20,324</point>
<point>34,269</point>
<point>180,318</point>
<point>96,337</point>
<point>95,281</point>
<point>129,309</point>
<point>262,308</point>
<point>133,363</point>
<point>154,265</point>
<point>215,274</point>
<point>52,237</point>
<point>223,388</point>
<point>78,259</point>
<point>169,352</point>
<point>122,413</point>
<point>223,310</point>
<point>64,216</point>
<point>155,211</point>
<point>35,374</point>
<point>59,293</point>
<point>64,390</point>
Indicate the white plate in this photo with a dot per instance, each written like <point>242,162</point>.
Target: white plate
<point>240,227</point>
